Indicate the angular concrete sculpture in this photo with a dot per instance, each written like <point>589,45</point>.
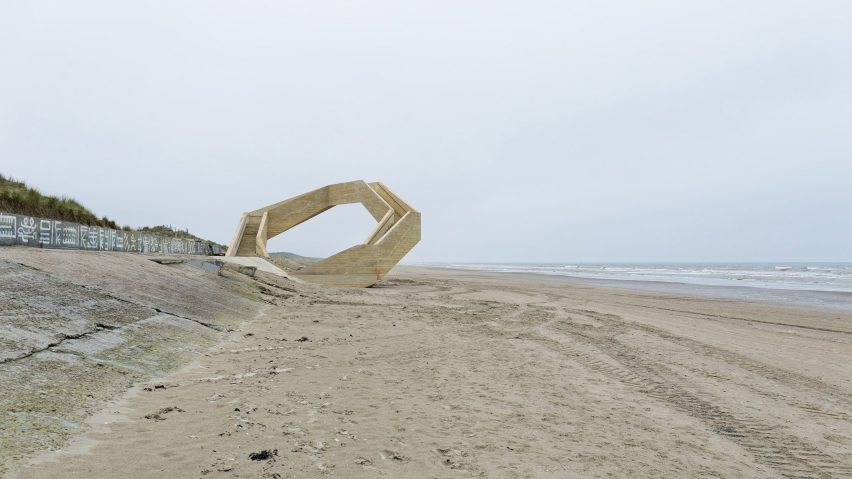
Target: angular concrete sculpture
<point>366,264</point>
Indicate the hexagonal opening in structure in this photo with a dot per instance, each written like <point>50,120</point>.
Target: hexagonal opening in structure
<point>396,232</point>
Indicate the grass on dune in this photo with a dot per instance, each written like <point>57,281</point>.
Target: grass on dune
<point>16,197</point>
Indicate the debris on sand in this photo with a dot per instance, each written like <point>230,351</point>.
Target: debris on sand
<point>159,386</point>
<point>156,386</point>
<point>160,415</point>
<point>389,454</point>
<point>263,455</point>
<point>303,339</point>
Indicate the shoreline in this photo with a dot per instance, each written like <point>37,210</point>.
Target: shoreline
<point>804,298</point>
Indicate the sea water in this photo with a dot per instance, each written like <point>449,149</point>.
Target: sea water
<point>788,276</point>
<point>821,285</point>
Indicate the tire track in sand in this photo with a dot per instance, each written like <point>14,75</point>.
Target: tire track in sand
<point>790,456</point>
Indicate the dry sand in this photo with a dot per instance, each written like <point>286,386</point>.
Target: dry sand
<point>450,374</point>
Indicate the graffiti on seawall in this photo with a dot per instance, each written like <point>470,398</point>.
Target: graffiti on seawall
<point>45,233</point>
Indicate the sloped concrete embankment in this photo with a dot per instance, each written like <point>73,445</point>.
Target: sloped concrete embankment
<point>78,328</point>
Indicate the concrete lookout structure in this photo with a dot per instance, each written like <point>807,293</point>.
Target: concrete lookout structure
<point>397,231</point>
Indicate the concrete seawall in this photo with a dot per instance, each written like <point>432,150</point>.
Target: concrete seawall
<point>79,327</point>
<point>37,232</point>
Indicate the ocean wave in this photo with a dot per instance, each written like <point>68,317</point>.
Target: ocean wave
<point>794,276</point>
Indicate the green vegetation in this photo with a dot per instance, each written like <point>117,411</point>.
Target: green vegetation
<point>169,231</point>
<point>17,197</point>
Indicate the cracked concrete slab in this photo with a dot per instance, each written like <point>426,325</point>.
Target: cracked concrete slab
<point>38,310</point>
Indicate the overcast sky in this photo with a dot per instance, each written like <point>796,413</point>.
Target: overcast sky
<point>522,130</point>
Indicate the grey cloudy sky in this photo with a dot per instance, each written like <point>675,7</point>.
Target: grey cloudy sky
<point>523,130</point>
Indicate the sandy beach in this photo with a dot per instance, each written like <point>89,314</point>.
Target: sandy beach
<point>446,374</point>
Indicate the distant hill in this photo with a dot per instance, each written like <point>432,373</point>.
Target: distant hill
<point>291,261</point>
<point>17,197</point>
<point>294,256</point>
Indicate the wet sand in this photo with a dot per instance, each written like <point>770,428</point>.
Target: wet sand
<point>458,374</point>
